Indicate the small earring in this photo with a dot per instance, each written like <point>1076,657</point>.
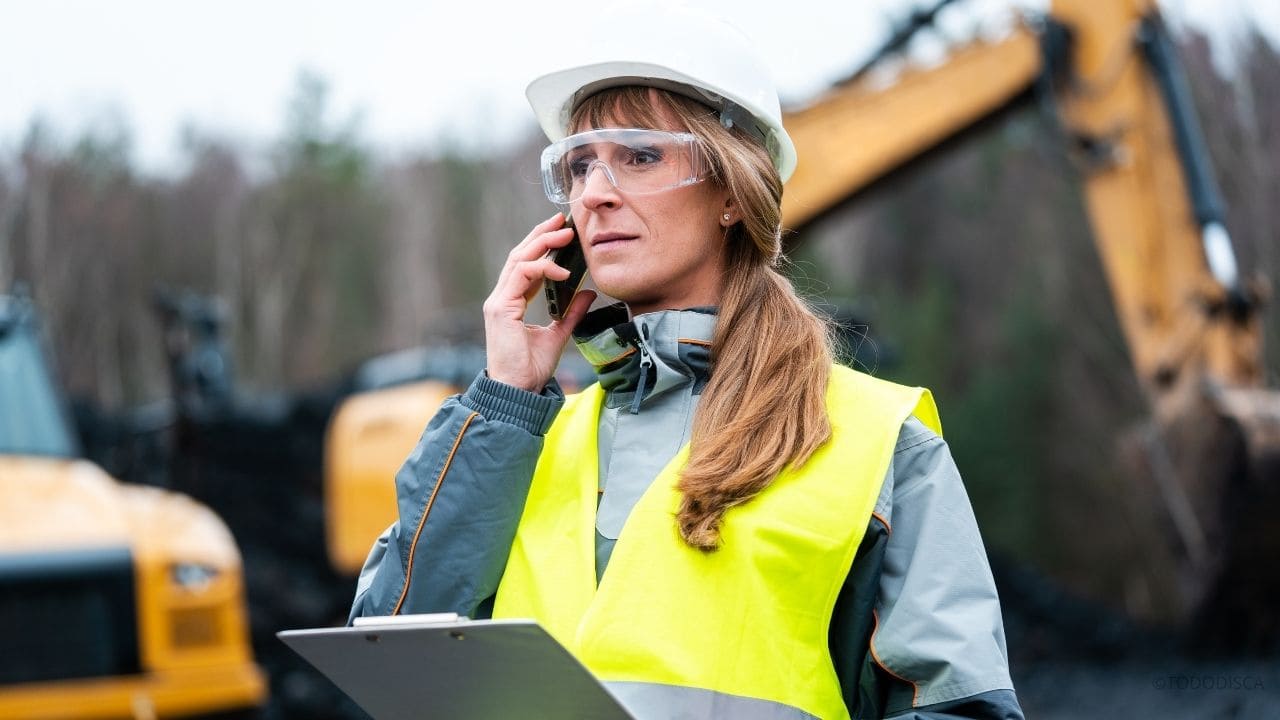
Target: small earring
<point>726,217</point>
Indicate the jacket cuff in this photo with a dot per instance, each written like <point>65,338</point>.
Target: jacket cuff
<point>534,412</point>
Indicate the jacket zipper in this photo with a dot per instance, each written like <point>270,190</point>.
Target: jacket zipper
<point>646,362</point>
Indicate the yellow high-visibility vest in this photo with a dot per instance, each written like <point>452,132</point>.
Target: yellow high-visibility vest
<point>749,621</point>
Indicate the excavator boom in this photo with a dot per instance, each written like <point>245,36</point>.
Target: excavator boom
<point>1190,317</point>
<point>859,132</point>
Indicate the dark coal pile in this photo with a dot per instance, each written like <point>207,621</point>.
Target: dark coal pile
<point>1076,660</point>
<point>1171,687</point>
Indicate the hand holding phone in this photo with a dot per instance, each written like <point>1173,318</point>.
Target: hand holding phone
<point>560,293</point>
<point>518,353</point>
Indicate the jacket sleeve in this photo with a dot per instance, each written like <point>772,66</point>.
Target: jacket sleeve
<point>460,495</point>
<point>918,633</point>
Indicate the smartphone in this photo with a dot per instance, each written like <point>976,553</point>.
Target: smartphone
<point>560,293</point>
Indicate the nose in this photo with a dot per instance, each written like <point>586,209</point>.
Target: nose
<point>599,189</point>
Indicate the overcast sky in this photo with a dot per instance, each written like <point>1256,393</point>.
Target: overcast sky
<point>416,72</point>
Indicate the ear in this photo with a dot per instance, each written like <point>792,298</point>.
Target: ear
<point>729,213</point>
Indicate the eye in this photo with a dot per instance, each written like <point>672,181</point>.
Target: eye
<point>645,156</point>
<point>579,164</point>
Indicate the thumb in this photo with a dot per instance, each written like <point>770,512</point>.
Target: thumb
<point>577,310</point>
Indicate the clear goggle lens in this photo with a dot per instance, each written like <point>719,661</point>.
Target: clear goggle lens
<point>634,161</point>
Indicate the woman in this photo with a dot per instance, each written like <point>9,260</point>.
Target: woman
<point>783,537</point>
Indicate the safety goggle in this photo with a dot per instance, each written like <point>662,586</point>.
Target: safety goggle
<point>634,161</point>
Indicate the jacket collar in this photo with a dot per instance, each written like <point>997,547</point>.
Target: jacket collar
<point>654,353</point>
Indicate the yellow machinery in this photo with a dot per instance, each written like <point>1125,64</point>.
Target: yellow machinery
<point>1188,315</point>
<point>1190,319</point>
<point>116,601</point>
<point>1113,101</point>
<point>370,436</point>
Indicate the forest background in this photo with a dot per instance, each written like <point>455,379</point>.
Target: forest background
<point>975,276</point>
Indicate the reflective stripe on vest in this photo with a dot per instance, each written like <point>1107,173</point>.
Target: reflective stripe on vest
<point>672,702</point>
<point>748,622</point>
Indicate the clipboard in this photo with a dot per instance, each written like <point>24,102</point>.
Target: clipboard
<point>450,667</point>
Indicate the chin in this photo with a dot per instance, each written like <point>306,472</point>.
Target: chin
<point>620,285</point>
<point>630,296</point>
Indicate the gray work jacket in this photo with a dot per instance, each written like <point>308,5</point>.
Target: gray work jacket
<point>917,631</point>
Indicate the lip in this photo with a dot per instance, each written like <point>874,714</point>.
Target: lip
<point>609,237</point>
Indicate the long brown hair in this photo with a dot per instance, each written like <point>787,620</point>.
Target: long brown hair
<point>764,407</point>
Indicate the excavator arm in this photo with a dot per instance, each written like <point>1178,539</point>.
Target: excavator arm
<point>1157,239</point>
<point>860,132</point>
<point>1189,317</point>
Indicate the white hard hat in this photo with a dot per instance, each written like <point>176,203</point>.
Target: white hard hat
<point>676,48</point>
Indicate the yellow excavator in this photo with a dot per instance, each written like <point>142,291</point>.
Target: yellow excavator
<point>1190,317</point>
<point>116,601</point>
